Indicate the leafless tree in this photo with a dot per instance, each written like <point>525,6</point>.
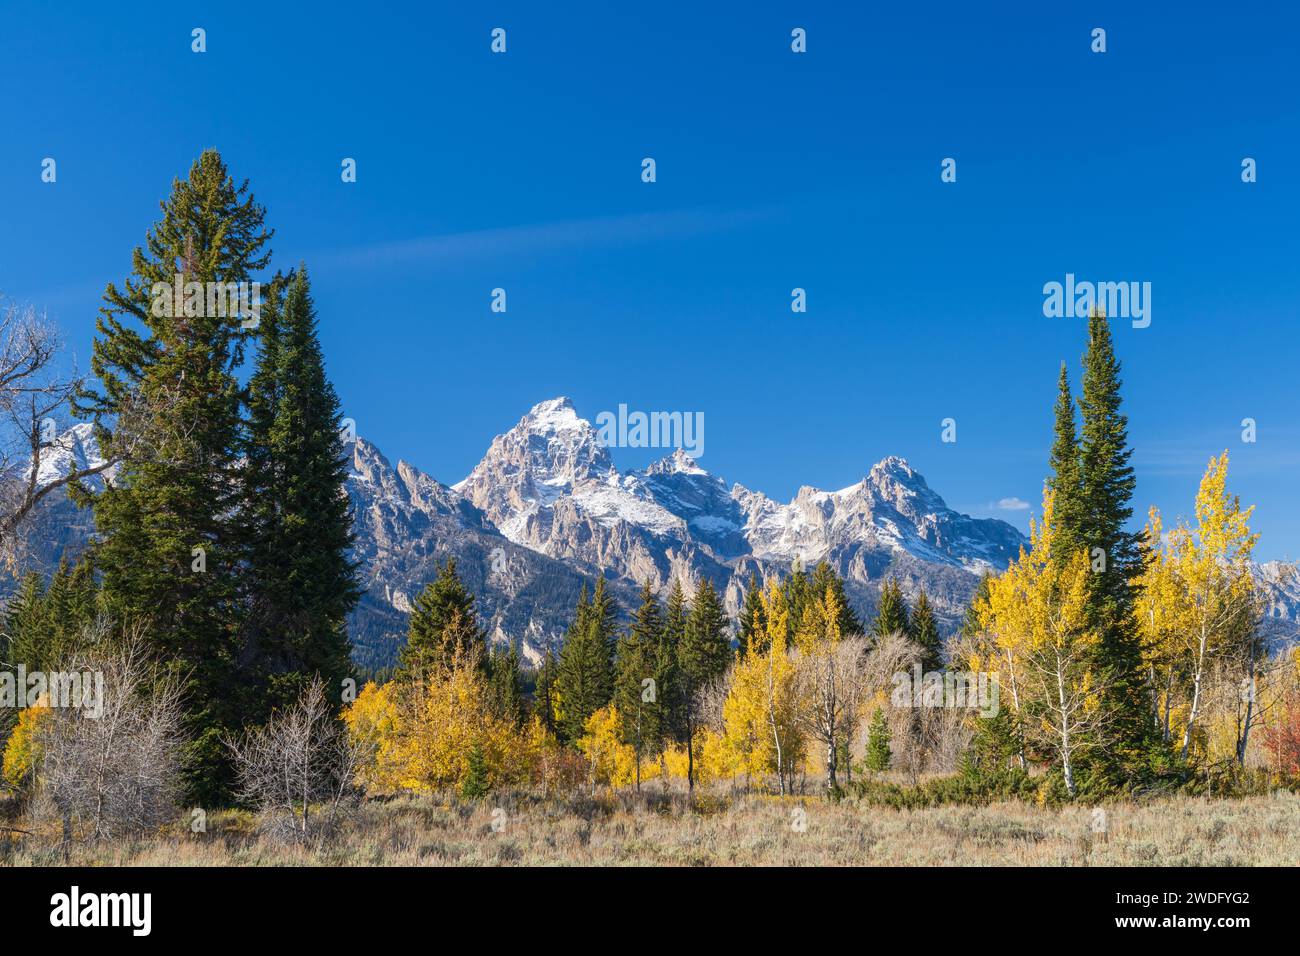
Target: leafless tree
<point>830,677</point>
<point>113,768</point>
<point>37,392</point>
<point>301,758</point>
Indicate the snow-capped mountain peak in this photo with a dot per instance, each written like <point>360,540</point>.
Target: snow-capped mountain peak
<point>74,449</point>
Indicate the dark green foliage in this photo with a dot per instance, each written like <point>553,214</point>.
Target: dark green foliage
<point>585,675</point>
<point>302,584</point>
<point>824,577</point>
<point>703,656</point>
<point>967,789</point>
<point>1106,483</point>
<point>878,752</point>
<point>443,624</point>
<point>544,691</point>
<point>1064,479</point>
<point>705,650</point>
<point>173,379</point>
<point>475,786</point>
<point>752,634</point>
<point>44,628</point>
<point>505,684</point>
<point>798,591</point>
<point>891,611</point>
<point>925,632</point>
<point>996,743</point>
<point>643,717</point>
<point>970,625</point>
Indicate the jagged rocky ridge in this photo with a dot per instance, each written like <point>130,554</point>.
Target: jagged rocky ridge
<point>546,509</point>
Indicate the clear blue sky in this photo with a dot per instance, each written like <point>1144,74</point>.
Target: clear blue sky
<point>775,170</point>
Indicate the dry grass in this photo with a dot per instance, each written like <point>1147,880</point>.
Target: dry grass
<point>742,830</point>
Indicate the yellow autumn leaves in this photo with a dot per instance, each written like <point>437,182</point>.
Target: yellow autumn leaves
<point>419,735</point>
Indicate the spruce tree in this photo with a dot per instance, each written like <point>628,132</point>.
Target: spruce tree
<point>891,611</point>
<point>925,632</point>
<point>443,623</point>
<point>703,657</point>
<point>798,593</point>
<point>878,752</point>
<point>544,699</point>
<point>824,577</point>
<point>505,683</point>
<point>585,672</point>
<point>1106,482</point>
<point>476,785</point>
<point>640,707</point>
<point>752,633</point>
<point>169,527</point>
<point>302,581</point>
<point>1065,463</point>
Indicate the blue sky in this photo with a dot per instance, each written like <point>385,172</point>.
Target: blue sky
<point>775,170</point>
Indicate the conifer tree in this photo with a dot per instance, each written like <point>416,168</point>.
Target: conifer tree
<point>640,707</point>
<point>1106,483</point>
<point>703,657</point>
<point>475,785</point>
<point>753,626</point>
<point>544,697</point>
<point>1065,463</point>
<point>673,635</point>
<point>505,684</point>
<point>878,752</point>
<point>824,577</point>
<point>585,673</point>
<point>443,623</point>
<point>925,632</point>
<point>891,611</point>
<point>798,592</point>
<point>302,582</point>
<point>169,532</point>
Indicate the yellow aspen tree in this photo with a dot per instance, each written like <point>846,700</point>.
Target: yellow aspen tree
<point>1038,612</point>
<point>759,714</point>
<point>1213,569</point>
<point>1161,619</point>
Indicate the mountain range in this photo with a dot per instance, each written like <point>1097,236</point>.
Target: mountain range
<point>546,510</point>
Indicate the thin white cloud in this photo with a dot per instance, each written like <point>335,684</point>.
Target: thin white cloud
<point>544,237</point>
<point>1012,504</point>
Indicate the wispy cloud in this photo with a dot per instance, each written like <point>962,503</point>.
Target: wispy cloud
<point>544,237</point>
<point>1012,504</point>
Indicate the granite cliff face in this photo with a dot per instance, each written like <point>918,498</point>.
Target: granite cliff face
<point>546,509</point>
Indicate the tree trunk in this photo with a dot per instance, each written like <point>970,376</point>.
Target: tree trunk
<point>1244,737</point>
<point>690,752</point>
<point>1196,692</point>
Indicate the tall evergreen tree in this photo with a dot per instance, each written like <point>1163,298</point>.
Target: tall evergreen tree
<point>1106,482</point>
<point>753,620</point>
<point>544,697</point>
<point>302,582</point>
<point>169,528</point>
<point>925,632</point>
<point>443,623</point>
<point>703,657</point>
<point>505,683</point>
<point>1065,463</point>
<point>585,674</point>
<point>640,707</point>
<point>891,611</point>
<point>798,593</point>
<point>824,577</point>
